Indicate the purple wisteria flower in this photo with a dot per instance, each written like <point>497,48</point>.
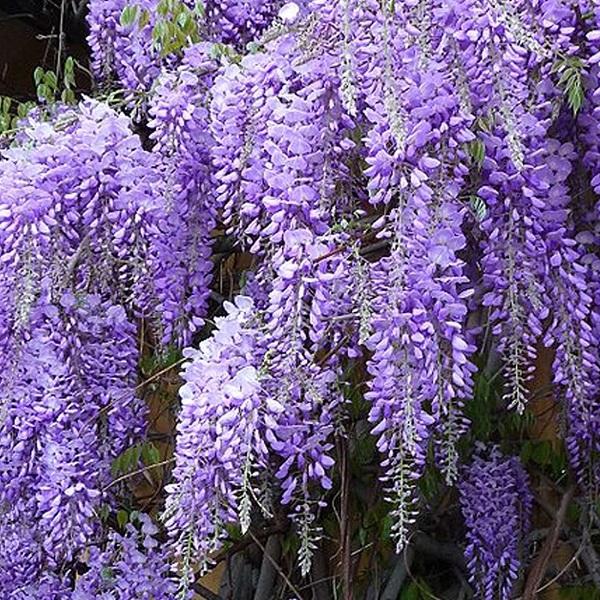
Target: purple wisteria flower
<point>221,435</point>
<point>496,506</point>
<point>132,566</point>
<point>181,242</point>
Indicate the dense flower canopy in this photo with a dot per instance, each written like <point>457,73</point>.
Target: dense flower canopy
<point>412,183</point>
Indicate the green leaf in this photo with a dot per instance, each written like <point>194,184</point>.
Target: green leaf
<point>570,81</point>
<point>117,465</point>
<point>199,9</point>
<point>183,18</point>
<point>128,15</point>
<point>69,65</point>
<point>478,206</point>
<point>24,108</point>
<point>128,460</point>
<point>104,512</point>
<point>69,73</point>
<point>158,33</point>
<point>43,92</point>
<point>480,409</point>
<point>144,19</point>
<point>526,450</point>
<point>542,451</point>
<point>122,518</point>
<point>253,47</point>
<point>386,529</point>
<point>163,8</point>
<point>38,75</point>
<point>477,151</point>
<point>575,98</point>
<point>51,80</point>
<point>68,96</point>
<point>429,483</point>
<point>216,51</point>
<point>411,592</point>
<point>362,536</point>
<point>233,531</point>
<point>150,454</point>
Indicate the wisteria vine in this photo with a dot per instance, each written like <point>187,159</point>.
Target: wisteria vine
<point>409,184</point>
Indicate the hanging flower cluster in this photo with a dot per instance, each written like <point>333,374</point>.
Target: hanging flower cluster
<point>239,22</point>
<point>182,141</point>
<point>83,246</point>
<point>221,433</point>
<point>131,40</point>
<point>256,397</point>
<point>130,566</point>
<point>393,171</point>
<point>496,505</point>
<point>68,410</point>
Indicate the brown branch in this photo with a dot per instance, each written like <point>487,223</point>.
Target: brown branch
<point>61,39</point>
<point>205,592</point>
<point>558,575</point>
<point>333,351</point>
<point>268,575</point>
<point>540,564</point>
<point>276,566</point>
<point>244,543</point>
<point>345,525</point>
<point>590,559</point>
<point>74,260</point>
<point>162,463</point>
<point>398,575</point>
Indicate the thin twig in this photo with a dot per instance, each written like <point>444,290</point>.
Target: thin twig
<point>138,387</point>
<point>205,592</point>
<point>61,35</point>
<point>162,463</point>
<point>333,351</point>
<point>74,260</point>
<point>538,569</point>
<point>17,16</point>
<point>558,575</point>
<point>345,529</point>
<point>276,566</point>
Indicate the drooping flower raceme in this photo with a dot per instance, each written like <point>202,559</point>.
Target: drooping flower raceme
<point>132,40</point>
<point>420,365</point>
<point>251,403</point>
<point>496,506</point>
<point>181,262</point>
<point>279,129</point>
<point>69,409</point>
<point>78,211</point>
<point>239,22</point>
<point>221,434</point>
<point>131,566</point>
